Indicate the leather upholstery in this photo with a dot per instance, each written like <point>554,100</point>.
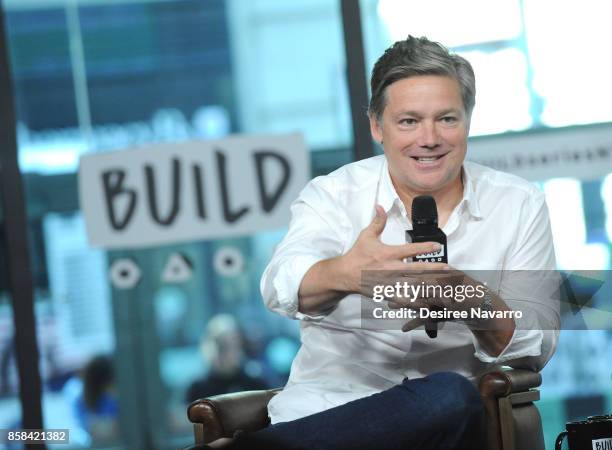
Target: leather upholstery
<point>223,415</point>
<point>527,420</point>
<point>518,424</point>
<point>505,382</point>
<point>513,421</point>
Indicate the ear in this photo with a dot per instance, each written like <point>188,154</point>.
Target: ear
<point>375,129</point>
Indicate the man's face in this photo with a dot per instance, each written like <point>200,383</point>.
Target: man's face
<point>424,131</point>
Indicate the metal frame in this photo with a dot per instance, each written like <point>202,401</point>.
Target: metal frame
<point>356,75</point>
<point>19,273</point>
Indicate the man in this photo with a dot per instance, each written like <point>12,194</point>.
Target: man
<point>355,387</point>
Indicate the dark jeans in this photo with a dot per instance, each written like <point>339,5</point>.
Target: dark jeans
<point>440,411</point>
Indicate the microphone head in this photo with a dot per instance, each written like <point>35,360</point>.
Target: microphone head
<point>424,212</point>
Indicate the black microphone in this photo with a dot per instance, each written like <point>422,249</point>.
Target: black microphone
<point>425,229</point>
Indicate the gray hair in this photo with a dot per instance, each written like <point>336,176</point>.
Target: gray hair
<point>419,56</point>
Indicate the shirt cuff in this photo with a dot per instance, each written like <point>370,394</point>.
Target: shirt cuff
<point>287,284</point>
<point>522,343</point>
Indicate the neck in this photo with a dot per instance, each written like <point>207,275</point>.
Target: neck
<point>447,197</point>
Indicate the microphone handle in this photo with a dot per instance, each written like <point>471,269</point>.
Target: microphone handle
<point>434,235</point>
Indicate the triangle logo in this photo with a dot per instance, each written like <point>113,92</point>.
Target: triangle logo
<point>178,269</point>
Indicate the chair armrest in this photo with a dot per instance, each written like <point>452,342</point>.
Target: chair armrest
<point>222,415</point>
<point>502,383</point>
<point>500,391</point>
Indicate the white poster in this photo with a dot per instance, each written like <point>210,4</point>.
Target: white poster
<point>168,193</point>
<point>583,152</point>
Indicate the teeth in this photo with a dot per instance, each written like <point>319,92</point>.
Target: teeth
<point>433,158</point>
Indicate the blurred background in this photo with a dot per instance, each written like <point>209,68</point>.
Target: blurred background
<point>119,366</point>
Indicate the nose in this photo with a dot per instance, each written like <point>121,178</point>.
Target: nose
<point>428,137</point>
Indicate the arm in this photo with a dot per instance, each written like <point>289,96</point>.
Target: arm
<point>529,285</point>
<point>310,273</point>
<point>323,286</point>
<point>317,232</point>
<point>500,330</point>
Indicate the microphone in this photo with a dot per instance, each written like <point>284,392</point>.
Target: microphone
<point>425,229</point>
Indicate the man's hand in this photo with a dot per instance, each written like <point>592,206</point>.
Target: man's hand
<point>493,333</point>
<point>330,280</point>
<point>369,253</point>
<point>439,283</point>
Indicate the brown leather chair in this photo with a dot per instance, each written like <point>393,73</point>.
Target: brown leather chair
<point>513,421</point>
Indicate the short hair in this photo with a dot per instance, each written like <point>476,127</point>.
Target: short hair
<point>419,56</point>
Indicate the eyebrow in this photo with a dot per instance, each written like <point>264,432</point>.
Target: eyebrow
<point>417,114</point>
<point>449,111</point>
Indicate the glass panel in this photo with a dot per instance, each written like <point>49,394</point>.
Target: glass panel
<point>72,303</point>
<point>606,195</point>
<point>300,83</point>
<point>502,96</point>
<point>491,44</point>
<point>79,389</point>
<point>573,248</point>
<point>575,386</point>
<point>520,53</point>
<point>571,94</point>
<point>481,21</point>
<point>93,76</point>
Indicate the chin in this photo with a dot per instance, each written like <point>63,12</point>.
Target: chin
<point>426,189</point>
<point>427,185</point>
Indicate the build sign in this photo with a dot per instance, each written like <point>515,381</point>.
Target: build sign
<point>168,193</point>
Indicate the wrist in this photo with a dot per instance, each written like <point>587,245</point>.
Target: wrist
<point>340,275</point>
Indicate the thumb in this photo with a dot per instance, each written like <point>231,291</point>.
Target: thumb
<point>379,221</point>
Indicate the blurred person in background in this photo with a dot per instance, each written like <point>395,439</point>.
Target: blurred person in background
<point>223,348</point>
<point>96,406</point>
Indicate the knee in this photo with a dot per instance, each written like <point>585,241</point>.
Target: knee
<point>458,397</point>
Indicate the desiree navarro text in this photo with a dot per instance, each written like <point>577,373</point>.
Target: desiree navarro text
<point>443,314</point>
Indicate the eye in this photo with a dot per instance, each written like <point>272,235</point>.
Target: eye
<point>449,119</point>
<point>408,121</point>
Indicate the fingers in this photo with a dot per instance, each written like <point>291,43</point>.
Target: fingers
<point>414,249</point>
<point>426,267</point>
<point>379,221</point>
<point>413,324</point>
<point>414,304</point>
<point>395,305</point>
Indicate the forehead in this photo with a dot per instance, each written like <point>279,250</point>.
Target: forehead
<point>426,92</point>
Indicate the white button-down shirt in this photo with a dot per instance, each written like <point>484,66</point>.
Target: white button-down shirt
<point>501,223</point>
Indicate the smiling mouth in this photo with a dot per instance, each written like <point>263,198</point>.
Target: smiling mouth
<point>427,159</point>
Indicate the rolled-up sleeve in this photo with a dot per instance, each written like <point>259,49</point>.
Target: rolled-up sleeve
<point>317,231</point>
<point>530,285</point>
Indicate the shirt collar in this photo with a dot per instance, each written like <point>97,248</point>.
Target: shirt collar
<point>469,192</point>
<point>388,197</point>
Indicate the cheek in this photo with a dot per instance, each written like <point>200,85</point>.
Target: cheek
<point>458,144</point>
<point>396,142</point>
<point>455,136</point>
